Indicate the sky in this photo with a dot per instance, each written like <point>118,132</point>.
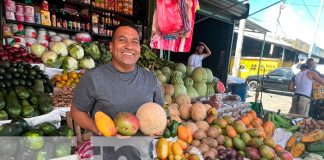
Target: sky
<point>297,19</point>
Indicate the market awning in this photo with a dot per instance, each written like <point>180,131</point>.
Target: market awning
<point>225,10</point>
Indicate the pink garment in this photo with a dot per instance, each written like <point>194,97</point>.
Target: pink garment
<point>169,18</point>
<point>180,44</point>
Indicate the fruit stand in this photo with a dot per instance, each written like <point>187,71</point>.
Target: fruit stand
<point>40,68</point>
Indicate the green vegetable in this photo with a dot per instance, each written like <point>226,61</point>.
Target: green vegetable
<point>45,103</point>
<point>315,147</point>
<point>34,140</point>
<point>60,48</point>
<point>66,131</point>
<point>38,86</point>
<point>63,149</point>
<point>69,63</point>
<point>76,51</point>
<point>3,115</point>
<point>38,49</point>
<point>173,127</point>
<point>20,121</point>
<point>166,133</point>
<point>2,100</point>
<point>51,59</point>
<point>27,109</point>
<point>48,128</point>
<point>87,63</point>
<point>10,129</point>
<point>22,92</point>
<point>47,152</point>
<point>13,106</point>
<point>92,50</point>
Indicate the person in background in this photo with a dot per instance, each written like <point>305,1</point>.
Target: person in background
<point>301,84</point>
<point>195,60</point>
<point>311,65</point>
<point>119,86</point>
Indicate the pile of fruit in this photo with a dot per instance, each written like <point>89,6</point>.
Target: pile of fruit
<point>70,55</point>
<point>218,137</point>
<point>22,74</point>
<point>14,54</point>
<point>184,80</point>
<point>308,140</point>
<point>128,124</point>
<point>67,79</point>
<point>33,144</point>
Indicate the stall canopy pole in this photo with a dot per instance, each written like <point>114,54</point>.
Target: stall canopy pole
<point>283,56</point>
<point>260,60</point>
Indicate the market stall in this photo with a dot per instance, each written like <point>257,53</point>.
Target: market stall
<point>43,61</point>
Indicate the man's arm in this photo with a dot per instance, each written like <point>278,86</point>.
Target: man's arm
<point>84,120</point>
<point>316,77</point>
<point>291,86</point>
<point>208,53</point>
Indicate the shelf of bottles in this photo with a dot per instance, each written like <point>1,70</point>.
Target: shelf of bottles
<point>97,17</point>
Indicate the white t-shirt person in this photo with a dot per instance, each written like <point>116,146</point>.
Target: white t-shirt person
<point>195,60</point>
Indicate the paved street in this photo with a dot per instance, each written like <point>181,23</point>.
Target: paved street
<point>273,100</point>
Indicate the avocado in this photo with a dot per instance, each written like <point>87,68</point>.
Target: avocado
<point>15,82</point>
<point>7,76</point>
<point>2,71</point>
<point>4,64</point>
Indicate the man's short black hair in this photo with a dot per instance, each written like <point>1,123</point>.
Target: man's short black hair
<point>309,60</point>
<point>125,24</point>
<point>303,66</point>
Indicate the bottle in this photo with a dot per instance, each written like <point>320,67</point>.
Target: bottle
<point>59,19</point>
<point>53,18</point>
<point>82,24</point>
<point>87,23</point>
<point>74,23</point>
<point>64,20</point>
<point>44,5</point>
<point>78,22</point>
<point>69,20</point>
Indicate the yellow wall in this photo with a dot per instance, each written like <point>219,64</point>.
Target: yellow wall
<point>249,65</point>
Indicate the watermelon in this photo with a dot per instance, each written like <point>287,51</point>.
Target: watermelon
<point>220,88</point>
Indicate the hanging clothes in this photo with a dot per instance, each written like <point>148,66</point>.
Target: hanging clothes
<point>169,16</point>
<point>178,41</point>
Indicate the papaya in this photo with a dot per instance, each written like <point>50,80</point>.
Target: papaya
<point>162,148</point>
<point>239,127</point>
<point>105,124</point>
<point>313,136</point>
<point>266,152</point>
<point>245,137</point>
<point>255,142</point>
<point>230,131</point>
<point>297,149</point>
<point>238,143</point>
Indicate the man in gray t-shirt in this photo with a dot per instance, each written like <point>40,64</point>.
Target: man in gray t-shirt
<point>120,86</point>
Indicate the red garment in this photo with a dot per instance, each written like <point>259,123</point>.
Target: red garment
<point>179,44</point>
<point>169,18</point>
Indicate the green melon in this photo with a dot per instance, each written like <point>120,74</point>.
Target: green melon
<point>157,72</point>
<point>209,75</point>
<point>165,70</point>
<point>192,93</point>
<point>188,82</point>
<point>199,75</point>
<point>162,78</point>
<point>176,80</point>
<point>210,89</point>
<point>179,89</point>
<point>176,74</point>
<point>181,67</point>
<point>189,70</point>
<point>201,88</point>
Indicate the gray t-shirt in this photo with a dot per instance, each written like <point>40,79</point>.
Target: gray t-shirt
<point>110,91</point>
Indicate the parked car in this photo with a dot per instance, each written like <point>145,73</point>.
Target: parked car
<point>277,79</point>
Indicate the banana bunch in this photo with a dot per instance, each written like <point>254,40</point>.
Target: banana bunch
<point>150,60</point>
<point>281,122</point>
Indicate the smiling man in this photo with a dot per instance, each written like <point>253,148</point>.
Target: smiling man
<point>119,86</point>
